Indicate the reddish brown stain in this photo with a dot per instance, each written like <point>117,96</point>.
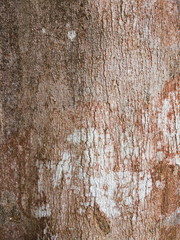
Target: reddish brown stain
<point>102,221</point>
<point>169,233</point>
<point>166,170</point>
<point>171,86</point>
<point>165,23</point>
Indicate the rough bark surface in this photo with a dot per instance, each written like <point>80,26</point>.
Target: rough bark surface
<point>89,119</point>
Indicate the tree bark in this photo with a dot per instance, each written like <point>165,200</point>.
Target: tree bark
<point>89,119</point>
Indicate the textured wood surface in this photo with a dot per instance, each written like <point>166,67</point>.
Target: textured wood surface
<point>89,128</point>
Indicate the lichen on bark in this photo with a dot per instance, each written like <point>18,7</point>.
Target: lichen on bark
<point>89,119</point>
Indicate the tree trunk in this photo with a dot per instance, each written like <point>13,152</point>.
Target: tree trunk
<point>89,120</point>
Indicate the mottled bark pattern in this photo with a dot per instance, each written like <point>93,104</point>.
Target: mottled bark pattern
<point>89,119</point>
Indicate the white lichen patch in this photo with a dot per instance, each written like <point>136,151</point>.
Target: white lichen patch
<point>77,136</point>
<point>160,185</point>
<point>104,197</point>
<point>64,167</point>
<point>81,211</point>
<point>43,30</point>
<point>144,185</point>
<point>175,160</point>
<point>135,186</point>
<point>71,35</point>
<point>168,125</point>
<point>42,211</point>
<point>40,177</point>
<point>43,169</point>
<point>163,120</point>
<point>173,219</point>
<point>105,185</point>
<point>160,156</point>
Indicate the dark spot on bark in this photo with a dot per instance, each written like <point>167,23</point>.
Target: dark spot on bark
<point>2,215</point>
<point>15,215</point>
<point>102,221</point>
<point>14,224</point>
<point>13,231</point>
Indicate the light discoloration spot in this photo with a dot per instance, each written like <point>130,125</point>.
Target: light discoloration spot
<point>42,211</point>
<point>43,30</point>
<point>43,168</point>
<point>160,185</point>
<point>173,219</point>
<point>98,171</point>
<point>64,167</point>
<point>174,160</point>
<point>163,120</point>
<point>72,35</point>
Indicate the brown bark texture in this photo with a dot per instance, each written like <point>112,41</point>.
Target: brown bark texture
<point>89,128</point>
